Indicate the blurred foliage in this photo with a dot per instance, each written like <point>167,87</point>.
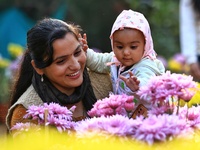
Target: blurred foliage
<point>97,18</point>
<point>163,17</point>
<point>4,80</point>
<point>5,4</point>
<point>35,9</point>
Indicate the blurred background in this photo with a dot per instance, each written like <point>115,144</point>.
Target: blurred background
<point>95,17</point>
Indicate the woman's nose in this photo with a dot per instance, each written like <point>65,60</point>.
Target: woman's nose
<point>74,64</point>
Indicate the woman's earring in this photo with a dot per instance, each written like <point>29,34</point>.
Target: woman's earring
<point>42,79</point>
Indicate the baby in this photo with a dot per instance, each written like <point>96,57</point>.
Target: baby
<point>133,60</point>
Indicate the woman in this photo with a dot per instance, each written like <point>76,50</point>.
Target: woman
<point>53,70</point>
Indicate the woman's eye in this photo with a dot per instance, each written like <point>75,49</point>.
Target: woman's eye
<point>77,53</point>
<point>60,61</point>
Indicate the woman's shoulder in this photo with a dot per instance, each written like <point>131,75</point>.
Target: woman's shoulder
<point>29,97</point>
<point>101,83</point>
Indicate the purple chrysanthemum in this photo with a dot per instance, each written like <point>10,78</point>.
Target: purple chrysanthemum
<point>160,128</point>
<point>168,88</point>
<point>20,128</point>
<point>191,116</point>
<point>116,125</point>
<point>57,115</point>
<point>23,126</point>
<point>112,105</point>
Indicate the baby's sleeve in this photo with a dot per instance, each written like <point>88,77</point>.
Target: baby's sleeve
<point>97,61</point>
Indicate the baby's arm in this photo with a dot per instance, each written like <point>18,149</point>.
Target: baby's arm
<point>148,69</point>
<point>97,61</point>
<point>141,75</point>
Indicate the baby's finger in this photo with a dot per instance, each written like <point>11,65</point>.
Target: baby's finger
<point>79,36</point>
<point>85,47</point>
<point>123,78</point>
<point>83,41</point>
<point>134,80</point>
<point>85,36</point>
<point>131,73</point>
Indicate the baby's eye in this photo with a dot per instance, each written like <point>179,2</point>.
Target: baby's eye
<point>119,47</point>
<point>133,47</point>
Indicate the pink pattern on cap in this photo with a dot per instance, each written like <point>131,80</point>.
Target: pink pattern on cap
<point>135,20</point>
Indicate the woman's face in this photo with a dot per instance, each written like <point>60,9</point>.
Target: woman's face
<point>66,70</point>
<point>128,46</point>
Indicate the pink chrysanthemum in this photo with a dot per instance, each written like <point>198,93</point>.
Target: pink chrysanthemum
<point>191,116</point>
<point>160,128</point>
<point>168,88</point>
<point>20,128</point>
<point>116,125</point>
<point>57,115</point>
<point>23,126</point>
<point>112,105</point>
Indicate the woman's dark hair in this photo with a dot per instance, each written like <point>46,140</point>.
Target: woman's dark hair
<point>39,49</point>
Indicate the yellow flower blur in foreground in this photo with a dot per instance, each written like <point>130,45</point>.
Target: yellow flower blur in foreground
<point>195,99</point>
<point>53,140</point>
<point>15,50</point>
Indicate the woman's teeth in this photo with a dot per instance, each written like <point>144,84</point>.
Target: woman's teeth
<point>73,74</point>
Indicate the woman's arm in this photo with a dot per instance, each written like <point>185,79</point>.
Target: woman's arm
<point>18,116</point>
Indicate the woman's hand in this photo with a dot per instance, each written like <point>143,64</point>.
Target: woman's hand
<point>132,82</point>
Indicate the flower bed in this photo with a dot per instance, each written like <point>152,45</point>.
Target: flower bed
<point>167,126</point>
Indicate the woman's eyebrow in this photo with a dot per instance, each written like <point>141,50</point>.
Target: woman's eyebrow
<point>64,56</point>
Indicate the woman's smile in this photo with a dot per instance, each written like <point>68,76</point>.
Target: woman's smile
<point>74,75</point>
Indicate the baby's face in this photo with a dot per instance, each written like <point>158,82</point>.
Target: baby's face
<point>128,46</point>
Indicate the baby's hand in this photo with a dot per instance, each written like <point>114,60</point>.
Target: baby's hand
<point>83,41</point>
<point>132,82</point>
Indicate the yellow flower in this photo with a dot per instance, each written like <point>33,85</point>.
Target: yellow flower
<point>15,50</point>
<point>174,65</point>
<point>53,140</point>
<point>4,63</point>
<point>195,99</point>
